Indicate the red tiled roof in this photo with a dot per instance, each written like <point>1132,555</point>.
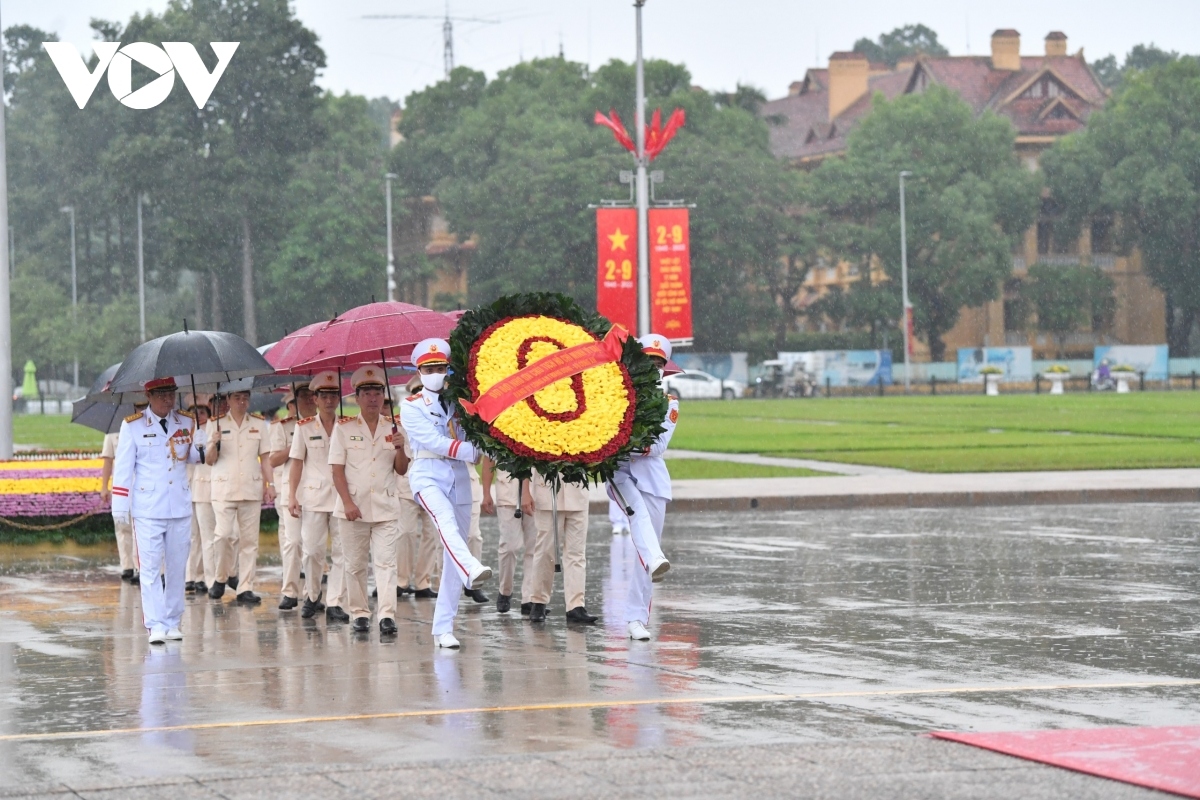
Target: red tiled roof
<point>807,132</point>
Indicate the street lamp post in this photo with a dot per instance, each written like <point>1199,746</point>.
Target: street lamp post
<point>141,272</point>
<point>391,264</point>
<point>74,285</point>
<point>642,187</point>
<point>6,393</point>
<point>906,322</point>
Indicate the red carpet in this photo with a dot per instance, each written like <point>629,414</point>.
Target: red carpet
<point>1167,759</point>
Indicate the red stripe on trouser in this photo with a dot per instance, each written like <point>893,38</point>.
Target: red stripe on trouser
<point>442,536</point>
<point>612,496</point>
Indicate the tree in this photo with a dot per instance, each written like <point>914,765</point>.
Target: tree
<point>1140,58</point>
<point>1068,298</point>
<point>1138,163</point>
<point>908,40</point>
<point>968,200</point>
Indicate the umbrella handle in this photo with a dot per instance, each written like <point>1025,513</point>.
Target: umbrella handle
<point>387,388</point>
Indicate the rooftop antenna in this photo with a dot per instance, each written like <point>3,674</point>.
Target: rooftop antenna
<point>447,30</point>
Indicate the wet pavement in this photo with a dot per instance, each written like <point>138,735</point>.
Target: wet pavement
<point>820,628</point>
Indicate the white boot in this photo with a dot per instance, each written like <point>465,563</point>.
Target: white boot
<point>447,640</point>
<point>658,569</point>
<point>480,576</point>
<point>158,635</point>
<point>175,635</point>
<point>638,632</point>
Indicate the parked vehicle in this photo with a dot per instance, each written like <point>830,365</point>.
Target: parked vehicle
<point>779,379</point>
<point>693,384</point>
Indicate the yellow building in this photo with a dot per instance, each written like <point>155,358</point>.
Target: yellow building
<point>1045,97</point>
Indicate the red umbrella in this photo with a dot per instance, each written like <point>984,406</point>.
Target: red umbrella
<point>282,356</point>
<point>370,334</point>
<point>455,316</point>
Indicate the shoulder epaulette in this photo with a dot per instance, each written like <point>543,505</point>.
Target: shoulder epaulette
<point>223,416</point>
<point>256,415</point>
<point>305,421</point>
<point>134,416</point>
<point>187,414</point>
<point>286,419</point>
<point>672,397</point>
<point>342,420</point>
<point>411,398</point>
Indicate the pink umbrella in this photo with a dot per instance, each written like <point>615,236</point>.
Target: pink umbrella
<point>370,334</point>
<point>283,355</point>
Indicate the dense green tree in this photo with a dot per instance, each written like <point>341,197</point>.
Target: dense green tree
<point>968,200</point>
<point>1067,299</point>
<point>1142,57</point>
<point>908,40</point>
<point>1138,162</point>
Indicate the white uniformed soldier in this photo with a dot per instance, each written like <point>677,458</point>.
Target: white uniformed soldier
<point>151,493</point>
<point>645,485</point>
<point>365,455</point>
<point>290,547</point>
<point>440,482</point>
<point>237,447</point>
<point>518,532</point>
<point>310,481</point>
<point>200,565</point>
<point>419,547</point>
<point>572,505</point>
<point>126,546</point>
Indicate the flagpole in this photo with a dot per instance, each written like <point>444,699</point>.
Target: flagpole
<point>6,390</point>
<point>642,187</point>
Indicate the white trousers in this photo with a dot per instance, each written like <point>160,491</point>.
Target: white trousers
<point>362,543</point>
<point>163,546</point>
<point>453,523</point>
<point>616,516</point>
<point>417,548</point>
<point>316,527</point>
<point>516,535</point>
<point>290,551</point>
<point>645,530</point>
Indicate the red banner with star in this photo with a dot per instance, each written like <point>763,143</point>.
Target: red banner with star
<point>616,263</point>
<point>670,274</point>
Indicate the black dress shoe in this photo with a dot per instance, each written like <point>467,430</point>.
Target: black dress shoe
<point>249,598</point>
<point>477,595</point>
<point>232,581</point>
<point>362,625</point>
<point>375,593</point>
<point>127,575</point>
<point>503,603</point>
<point>580,614</point>
<point>525,609</point>
<point>217,591</point>
<point>537,612</point>
<point>288,603</point>
<point>425,594</point>
<point>136,580</point>
<point>402,590</point>
<point>189,586</point>
<point>387,627</point>
<point>336,614</point>
<point>301,576</point>
<point>201,587</point>
<point>325,578</point>
<point>310,609</point>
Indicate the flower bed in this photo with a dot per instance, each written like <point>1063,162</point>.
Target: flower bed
<point>60,487</point>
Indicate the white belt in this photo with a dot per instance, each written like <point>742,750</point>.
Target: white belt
<point>431,454</point>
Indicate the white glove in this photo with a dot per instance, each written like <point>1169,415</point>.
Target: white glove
<point>122,518</point>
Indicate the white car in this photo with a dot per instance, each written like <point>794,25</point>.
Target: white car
<point>692,384</point>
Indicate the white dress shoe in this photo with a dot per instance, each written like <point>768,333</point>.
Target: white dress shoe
<point>447,640</point>
<point>618,530</point>
<point>158,636</point>
<point>638,631</point>
<point>175,635</point>
<point>658,569</point>
<point>480,577</point>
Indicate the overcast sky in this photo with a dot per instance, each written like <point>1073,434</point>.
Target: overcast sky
<point>767,43</point>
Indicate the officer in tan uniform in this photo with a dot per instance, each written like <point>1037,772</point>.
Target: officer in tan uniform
<point>518,532</point>
<point>366,453</point>
<point>419,547</point>
<point>200,565</point>
<point>572,505</point>
<point>237,446</point>
<point>282,433</point>
<point>310,480</point>
<point>474,534</point>
<point>126,544</point>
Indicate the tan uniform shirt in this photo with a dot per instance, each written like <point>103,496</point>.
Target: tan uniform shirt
<point>237,475</point>
<point>504,489</point>
<point>200,475</point>
<point>109,448</point>
<point>402,480</point>
<point>368,460</point>
<point>570,496</point>
<point>310,446</point>
<point>282,432</point>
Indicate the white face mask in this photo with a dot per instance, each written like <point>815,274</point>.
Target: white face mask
<point>661,375</point>
<point>434,381</point>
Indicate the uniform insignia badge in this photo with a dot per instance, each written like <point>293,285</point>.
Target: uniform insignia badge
<point>673,416</point>
<point>149,435</point>
<point>315,438</point>
<point>134,416</point>
<point>356,438</point>
<point>254,430</point>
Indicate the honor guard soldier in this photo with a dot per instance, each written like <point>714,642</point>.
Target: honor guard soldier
<point>200,566</point>
<point>572,511</point>
<point>419,547</point>
<point>151,493</point>
<point>310,482</point>
<point>440,482</point>
<point>290,548</point>
<point>365,455</point>
<point>645,485</point>
<point>518,532</point>
<point>237,447</point>
<point>126,547</point>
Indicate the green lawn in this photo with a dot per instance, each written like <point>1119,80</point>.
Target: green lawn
<point>54,433</point>
<point>682,468</point>
<point>958,434</point>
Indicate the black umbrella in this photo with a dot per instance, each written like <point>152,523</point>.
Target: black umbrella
<point>201,357</point>
<point>99,409</point>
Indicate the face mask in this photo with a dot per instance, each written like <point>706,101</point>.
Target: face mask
<point>661,374</point>
<point>433,381</point>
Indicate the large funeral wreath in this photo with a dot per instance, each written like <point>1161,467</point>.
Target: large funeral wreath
<point>575,430</point>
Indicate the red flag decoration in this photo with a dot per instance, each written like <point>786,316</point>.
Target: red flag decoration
<point>616,262</point>
<point>670,274</point>
<point>615,125</point>
<point>657,137</point>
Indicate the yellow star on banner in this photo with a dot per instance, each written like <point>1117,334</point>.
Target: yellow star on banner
<point>618,240</point>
